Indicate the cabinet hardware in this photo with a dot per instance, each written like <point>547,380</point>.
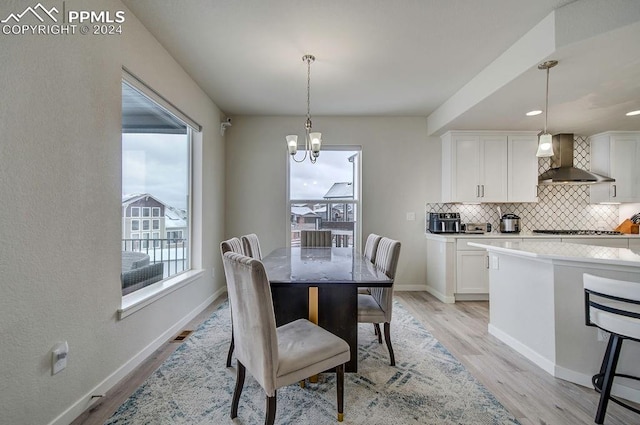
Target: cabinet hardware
<point>482,191</point>
<point>487,257</point>
<point>615,192</point>
<point>477,191</point>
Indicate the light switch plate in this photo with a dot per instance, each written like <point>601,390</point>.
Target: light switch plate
<point>59,357</point>
<point>411,216</point>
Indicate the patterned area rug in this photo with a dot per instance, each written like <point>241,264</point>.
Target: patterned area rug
<point>427,386</point>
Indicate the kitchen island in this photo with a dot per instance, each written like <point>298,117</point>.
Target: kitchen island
<point>537,306</point>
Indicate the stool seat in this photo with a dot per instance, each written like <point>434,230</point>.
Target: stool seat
<point>613,306</point>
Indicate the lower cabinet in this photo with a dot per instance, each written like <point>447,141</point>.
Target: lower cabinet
<point>471,272</point>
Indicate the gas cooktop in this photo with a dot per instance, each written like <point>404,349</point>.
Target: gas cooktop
<point>578,232</point>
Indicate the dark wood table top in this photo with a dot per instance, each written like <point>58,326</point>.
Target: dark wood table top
<point>318,266</point>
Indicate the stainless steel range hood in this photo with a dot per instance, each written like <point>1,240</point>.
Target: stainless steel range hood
<point>562,170</point>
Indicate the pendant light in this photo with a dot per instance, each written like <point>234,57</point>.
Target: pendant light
<point>312,141</point>
<point>545,145</point>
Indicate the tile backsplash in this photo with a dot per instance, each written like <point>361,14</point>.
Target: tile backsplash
<point>558,207</point>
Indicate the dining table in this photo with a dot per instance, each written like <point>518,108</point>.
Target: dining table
<point>321,285</point>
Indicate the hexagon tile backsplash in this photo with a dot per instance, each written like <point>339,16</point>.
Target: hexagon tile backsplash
<point>558,207</point>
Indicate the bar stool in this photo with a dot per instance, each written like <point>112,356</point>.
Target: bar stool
<point>613,306</point>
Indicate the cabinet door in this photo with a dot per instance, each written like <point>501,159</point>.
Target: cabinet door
<point>466,149</point>
<point>624,168</point>
<point>493,169</point>
<point>522,168</point>
<point>472,275</point>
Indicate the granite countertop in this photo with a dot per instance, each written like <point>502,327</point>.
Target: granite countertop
<point>564,251</point>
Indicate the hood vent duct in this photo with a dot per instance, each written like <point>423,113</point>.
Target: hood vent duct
<point>562,170</point>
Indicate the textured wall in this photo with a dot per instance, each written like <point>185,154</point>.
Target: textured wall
<point>558,207</point>
<point>60,186</point>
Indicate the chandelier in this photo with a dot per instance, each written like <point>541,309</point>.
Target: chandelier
<point>545,148</point>
<point>312,141</point>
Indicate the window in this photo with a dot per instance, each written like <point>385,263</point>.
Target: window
<point>326,195</point>
<point>156,180</point>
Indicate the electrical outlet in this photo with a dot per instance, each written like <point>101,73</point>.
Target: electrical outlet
<point>59,357</point>
<point>411,216</point>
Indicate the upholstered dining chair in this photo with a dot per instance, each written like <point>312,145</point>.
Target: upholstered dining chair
<point>315,238</point>
<point>251,245</point>
<point>613,306</point>
<point>369,252</point>
<point>231,245</point>
<point>280,356</point>
<point>377,306</point>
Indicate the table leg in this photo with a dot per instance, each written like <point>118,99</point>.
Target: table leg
<point>313,317</point>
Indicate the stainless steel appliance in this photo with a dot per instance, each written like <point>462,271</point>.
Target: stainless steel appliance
<point>579,232</point>
<point>444,222</point>
<point>509,223</point>
<point>476,227</point>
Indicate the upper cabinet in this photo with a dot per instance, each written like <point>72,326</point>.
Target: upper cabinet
<point>489,167</point>
<point>616,154</point>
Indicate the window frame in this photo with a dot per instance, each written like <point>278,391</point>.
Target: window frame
<point>357,192</point>
<point>137,300</point>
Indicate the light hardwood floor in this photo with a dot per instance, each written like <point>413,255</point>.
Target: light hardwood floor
<point>530,394</point>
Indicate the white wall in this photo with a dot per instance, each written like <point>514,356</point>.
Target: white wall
<point>60,186</point>
<point>399,171</point>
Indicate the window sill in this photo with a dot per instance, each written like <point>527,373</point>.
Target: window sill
<point>139,299</point>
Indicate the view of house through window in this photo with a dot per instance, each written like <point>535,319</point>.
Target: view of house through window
<point>325,195</point>
<point>156,150</point>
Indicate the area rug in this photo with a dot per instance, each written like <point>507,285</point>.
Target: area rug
<point>427,385</point>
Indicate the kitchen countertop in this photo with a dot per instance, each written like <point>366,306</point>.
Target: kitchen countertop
<point>564,251</point>
<point>521,235</point>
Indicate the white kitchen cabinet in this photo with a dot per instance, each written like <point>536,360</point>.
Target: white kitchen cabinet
<point>616,154</point>
<point>522,166</point>
<point>472,275</point>
<point>489,167</point>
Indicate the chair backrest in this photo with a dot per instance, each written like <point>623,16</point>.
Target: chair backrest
<point>231,245</point>
<point>607,297</point>
<point>387,257</point>
<point>251,245</point>
<point>371,247</point>
<point>254,323</point>
<point>315,238</point>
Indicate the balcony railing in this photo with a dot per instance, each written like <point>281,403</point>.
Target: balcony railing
<point>172,252</point>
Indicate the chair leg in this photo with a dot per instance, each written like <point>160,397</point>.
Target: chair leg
<point>376,326</point>
<point>271,410</point>
<point>613,353</point>
<point>387,338</point>
<point>231,347</point>
<point>238,390</point>
<point>340,391</point>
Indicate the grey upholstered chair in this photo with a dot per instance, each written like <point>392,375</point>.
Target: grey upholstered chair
<point>315,238</point>
<point>369,252</point>
<point>281,356</point>
<point>613,306</point>
<point>377,307</point>
<point>231,245</point>
<point>251,245</point>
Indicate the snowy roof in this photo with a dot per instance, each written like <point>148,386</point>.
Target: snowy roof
<point>304,211</point>
<point>340,190</point>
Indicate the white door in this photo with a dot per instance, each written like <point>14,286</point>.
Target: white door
<point>493,169</point>
<point>624,168</point>
<point>522,169</point>
<point>467,168</point>
<point>472,273</point>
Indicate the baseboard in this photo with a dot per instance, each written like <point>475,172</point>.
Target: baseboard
<point>472,297</point>
<point>439,295</point>
<point>542,362</point>
<point>628,393</point>
<point>618,390</point>
<point>409,288</point>
<point>85,402</point>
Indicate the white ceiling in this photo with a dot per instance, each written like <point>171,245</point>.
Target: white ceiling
<point>411,58</point>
